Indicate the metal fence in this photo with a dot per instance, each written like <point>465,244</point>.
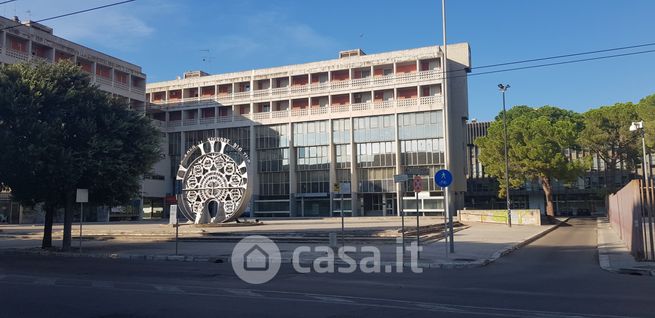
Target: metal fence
<point>646,218</point>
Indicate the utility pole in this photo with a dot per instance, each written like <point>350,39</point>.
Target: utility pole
<point>503,89</point>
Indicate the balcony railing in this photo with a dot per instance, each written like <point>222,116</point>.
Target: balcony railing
<point>315,111</point>
<point>103,80</point>
<point>359,83</point>
<point>207,120</point>
<point>19,55</point>
<point>190,121</point>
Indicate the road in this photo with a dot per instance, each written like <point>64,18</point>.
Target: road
<point>555,276</point>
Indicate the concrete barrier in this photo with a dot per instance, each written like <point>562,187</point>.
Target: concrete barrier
<point>519,217</point>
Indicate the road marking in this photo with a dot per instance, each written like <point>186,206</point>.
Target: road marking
<point>169,289</point>
<point>242,292</point>
<point>332,299</point>
<point>45,281</point>
<point>101,284</point>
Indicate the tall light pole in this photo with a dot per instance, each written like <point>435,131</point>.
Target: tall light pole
<point>645,166</point>
<point>444,66</point>
<point>639,126</point>
<point>503,89</point>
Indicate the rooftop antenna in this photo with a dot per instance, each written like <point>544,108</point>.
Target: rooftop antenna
<point>206,56</point>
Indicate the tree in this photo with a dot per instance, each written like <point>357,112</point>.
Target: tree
<point>607,134</point>
<point>538,141</point>
<point>646,111</point>
<point>59,133</point>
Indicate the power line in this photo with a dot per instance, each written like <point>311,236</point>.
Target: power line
<point>554,63</point>
<point>556,57</point>
<point>566,55</point>
<point>71,13</point>
<point>3,2</point>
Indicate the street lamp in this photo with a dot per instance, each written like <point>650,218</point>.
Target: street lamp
<point>639,126</point>
<point>503,89</point>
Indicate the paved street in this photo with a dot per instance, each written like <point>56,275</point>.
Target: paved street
<point>556,276</point>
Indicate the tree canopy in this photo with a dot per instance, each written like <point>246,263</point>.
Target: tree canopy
<point>59,132</point>
<point>607,134</point>
<point>538,139</point>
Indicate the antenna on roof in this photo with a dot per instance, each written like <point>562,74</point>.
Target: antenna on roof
<point>206,56</point>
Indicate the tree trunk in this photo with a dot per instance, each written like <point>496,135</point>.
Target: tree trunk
<point>47,226</point>
<point>68,223</point>
<point>548,192</point>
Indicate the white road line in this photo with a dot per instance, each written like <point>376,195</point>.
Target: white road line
<point>242,292</point>
<point>45,281</point>
<point>332,299</point>
<point>169,289</point>
<point>102,284</point>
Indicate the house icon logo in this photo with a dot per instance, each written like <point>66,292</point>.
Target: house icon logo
<point>256,259</point>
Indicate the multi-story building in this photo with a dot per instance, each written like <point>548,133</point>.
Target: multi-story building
<point>355,121</point>
<point>28,41</point>
<point>583,197</point>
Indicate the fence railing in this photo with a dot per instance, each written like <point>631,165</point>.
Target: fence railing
<point>632,216</point>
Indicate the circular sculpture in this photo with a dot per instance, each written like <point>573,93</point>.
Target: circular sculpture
<point>214,185</point>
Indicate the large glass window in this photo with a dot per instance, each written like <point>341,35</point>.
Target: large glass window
<point>310,133</point>
<point>420,125</point>
<point>374,128</point>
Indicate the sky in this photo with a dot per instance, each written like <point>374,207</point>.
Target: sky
<point>167,38</point>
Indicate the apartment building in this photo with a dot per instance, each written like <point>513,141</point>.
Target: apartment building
<point>28,41</point>
<point>355,121</point>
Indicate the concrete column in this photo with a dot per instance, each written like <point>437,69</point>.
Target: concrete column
<point>293,178</point>
<point>354,180</point>
<point>399,186</point>
<point>252,172</point>
<point>333,166</point>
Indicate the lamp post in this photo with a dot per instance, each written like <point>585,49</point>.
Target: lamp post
<point>639,126</point>
<point>503,89</point>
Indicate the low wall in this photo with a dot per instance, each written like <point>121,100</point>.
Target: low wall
<point>624,212</point>
<point>520,217</point>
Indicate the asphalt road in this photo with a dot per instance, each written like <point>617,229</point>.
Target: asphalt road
<point>556,276</point>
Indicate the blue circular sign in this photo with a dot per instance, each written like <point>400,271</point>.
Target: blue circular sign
<point>443,178</point>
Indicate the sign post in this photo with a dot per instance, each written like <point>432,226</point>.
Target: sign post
<point>401,178</point>
<point>418,187</point>
<point>342,188</point>
<point>176,223</point>
<point>444,178</point>
<point>81,197</point>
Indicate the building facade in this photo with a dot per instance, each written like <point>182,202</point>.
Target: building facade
<point>355,121</point>
<point>586,196</point>
<point>27,41</point>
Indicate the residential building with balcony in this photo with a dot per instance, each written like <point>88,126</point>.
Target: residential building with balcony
<point>28,41</point>
<point>356,121</point>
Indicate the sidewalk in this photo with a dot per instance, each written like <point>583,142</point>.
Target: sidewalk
<point>475,246</point>
<point>615,257</point>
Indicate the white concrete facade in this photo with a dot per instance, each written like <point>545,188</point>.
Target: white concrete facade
<point>29,41</point>
<point>358,119</point>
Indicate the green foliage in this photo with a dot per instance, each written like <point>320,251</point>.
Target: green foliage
<point>538,139</point>
<point>646,111</point>
<point>606,134</point>
<point>60,133</point>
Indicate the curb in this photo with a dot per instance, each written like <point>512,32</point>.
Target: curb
<point>604,259</point>
<point>226,259</point>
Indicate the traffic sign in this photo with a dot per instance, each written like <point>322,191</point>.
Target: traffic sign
<point>443,178</point>
<point>418,185</point>
<point>418,171</point>
<point>398,178</point>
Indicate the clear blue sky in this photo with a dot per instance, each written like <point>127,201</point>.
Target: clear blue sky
<point>169,37</point>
